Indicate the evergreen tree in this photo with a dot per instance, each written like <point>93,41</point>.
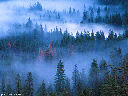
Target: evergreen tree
<point>65,93</point>
<point>18,88</point>
<point>116,56</point>
<point>3,87</point>
<point>92,36</point>
<point>103,70</point>
<point>107,19</point>
<point>85,16</point>
<point>115,36</point>
<point>92,15</point>
<point>42,90</point>
<point>9,90</point>
<point>29,23</point>
<point>98,14</point>
<point>111,35</point>
<point>50,88</point>
<point>60,78</point>
<point>126,34</point>
<point>76,81</point>
<point>125,18</point>
<point>29,85</point>
<point>67,85</point>
<point>83,79</point>
<point>94,77</point>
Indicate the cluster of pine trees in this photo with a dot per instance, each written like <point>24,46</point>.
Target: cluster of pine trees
<point>34,37</point>
<point>36,7</point>
<point>103,80</point>
<point>100,15</point>
<point>112,2</point>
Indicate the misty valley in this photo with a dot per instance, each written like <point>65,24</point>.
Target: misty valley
<point>64,47</point>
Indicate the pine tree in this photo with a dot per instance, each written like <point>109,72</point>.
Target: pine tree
<point>67,85</point>
<point>42,90</point>
<point>111,35</point>
<point>29,23</point>
<point>125,18</point>
<point>83,79</point>
<point>9,90</point>
<point>116,82</point>
<point>103,70</point>
<point>124,69</point>
<point>103,65</point>
<point>98,14</point>
<point>94,77</point>
<point>50,88</point>
<point>92,15</point>
<point>3,87</point>
<point>18,84</point>
<point>76,82</point>
<point>65,93</point>
<point>116,56</point>
<point>29,85</point>
<point>85,16</point>
<point>126,34</point>
<point>60,78</point>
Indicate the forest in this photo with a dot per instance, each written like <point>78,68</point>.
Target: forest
<point>64,48</point>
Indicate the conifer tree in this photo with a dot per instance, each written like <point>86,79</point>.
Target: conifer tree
<point>67,85</point>
<point>65,93</point>
<point>42,90</point>
<point>94,77</point>
<point>60,78</point>
<point>18,88</point>
<point>29,85</point>
<point>9,90</point>
<point>3,87</point>
<point>103,65</point>
<point>103,70</point>
<point>98,14</point>
<point>83,79</point>
<point>50,88</point>
<point>76,81</point>
<point>92,15</point>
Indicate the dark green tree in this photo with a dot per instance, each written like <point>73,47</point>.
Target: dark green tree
<point>29,85</point>
<point>76,82</point>
<point>94,77</point>
<point>103,70</point>
<point>83,79</point>
<point>42,90</point>
<point>3,87</point>
<point>60,78</point>
<point>9,90</point>
<point>92,15</point>
<point>125,18</point>
<point>18,87</point>
<point>99,15</point>
<point>67,85</point>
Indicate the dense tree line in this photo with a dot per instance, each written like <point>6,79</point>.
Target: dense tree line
<point>101,15</point>
<point>36,40</point>
<point>54,15</point>
<point>103,80</point>
<point>35,36</point>
<point>113,2</point>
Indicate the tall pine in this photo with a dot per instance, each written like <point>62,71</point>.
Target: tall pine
<point>94,77</point>
<point>3,87</point>
<point>60,78</point>
<point>29,85</point>
<point>18,88</point>
<point>42,90</point>
<point>76,81</point>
